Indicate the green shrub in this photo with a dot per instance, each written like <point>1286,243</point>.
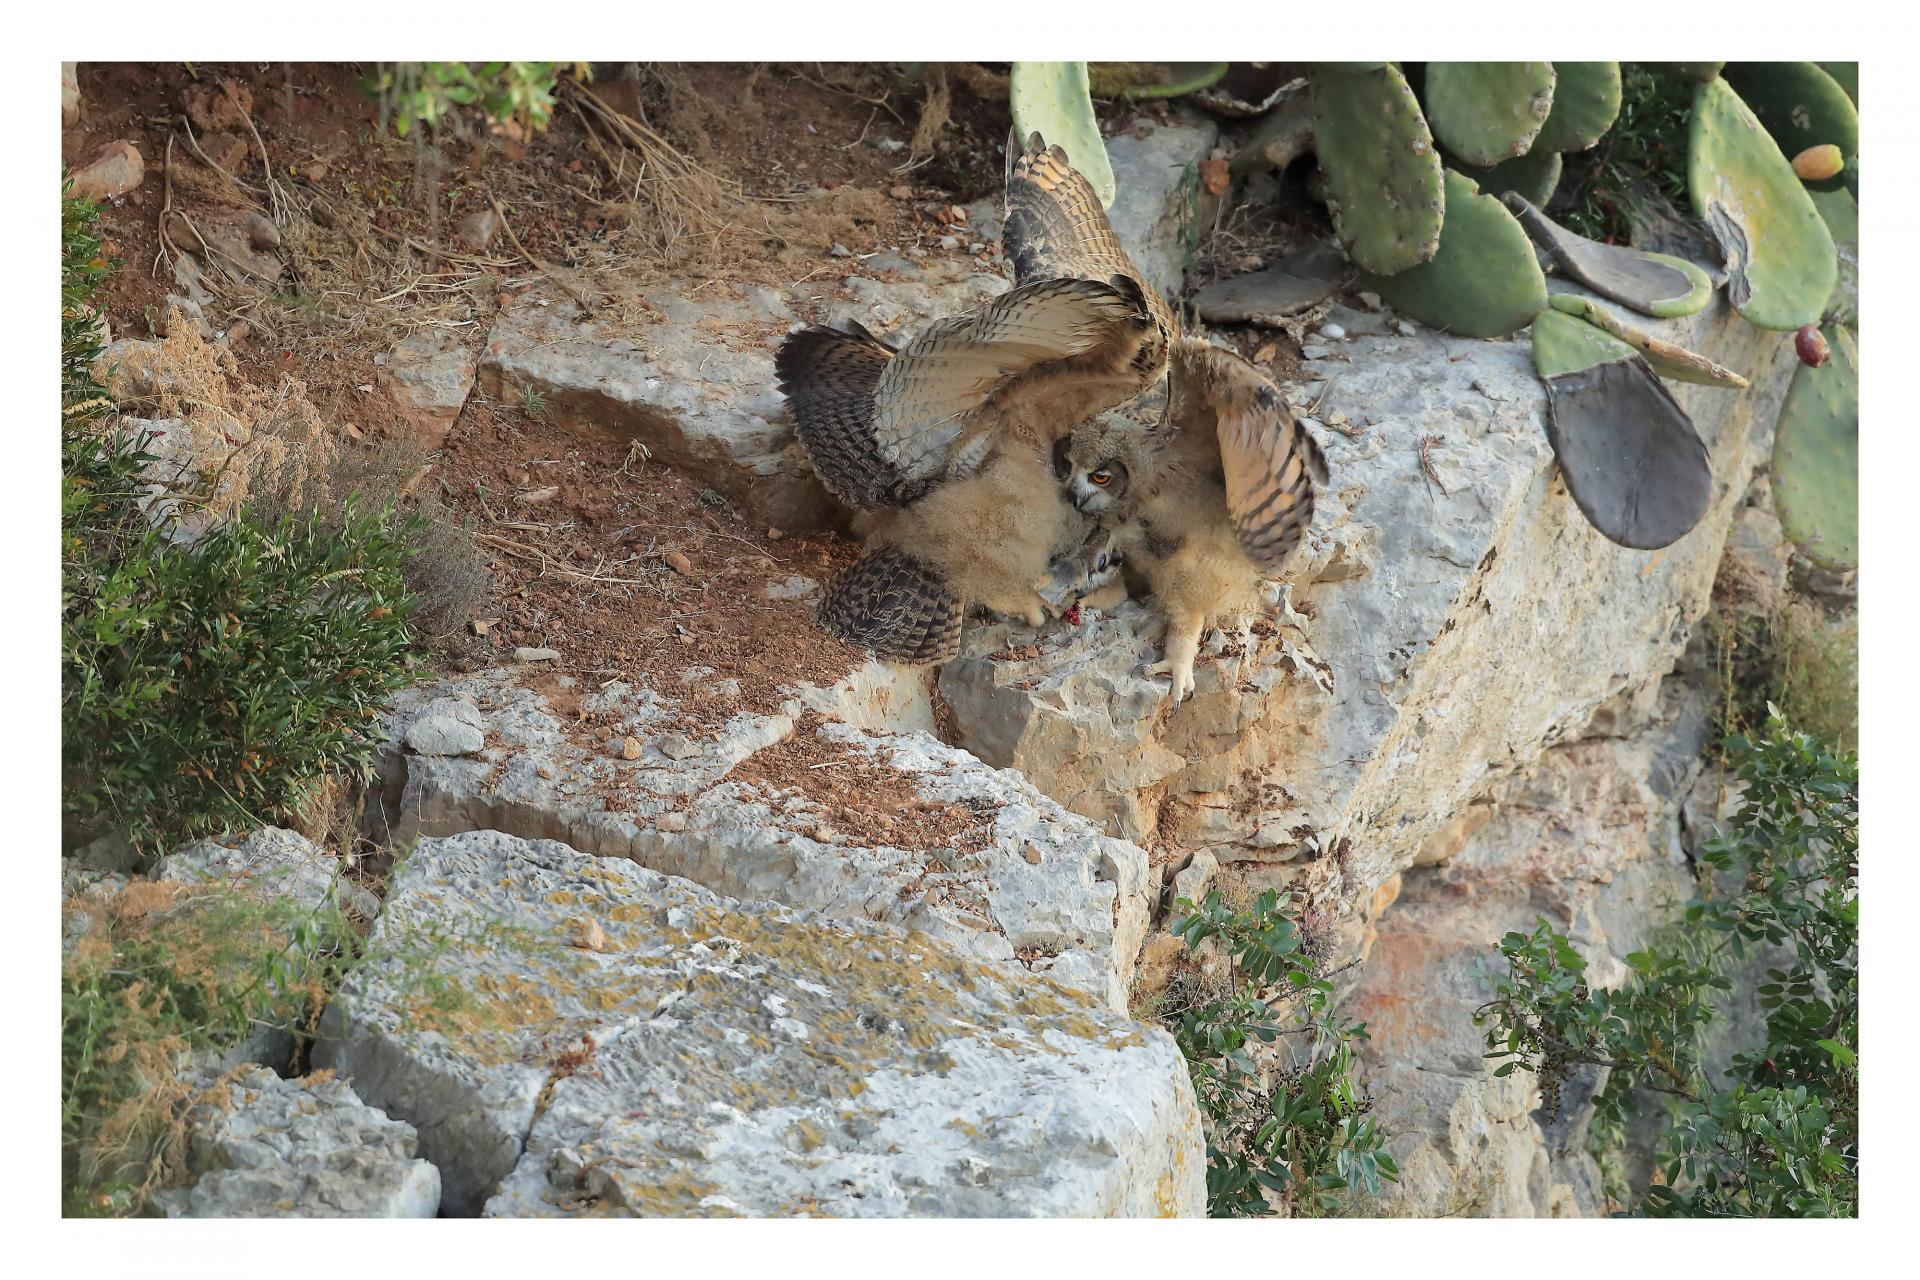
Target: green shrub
<point>169,972</point>
<point>416,93</point>
<point>1303,1132</point>
<point>216,684</point>
<point>1777,1134</point>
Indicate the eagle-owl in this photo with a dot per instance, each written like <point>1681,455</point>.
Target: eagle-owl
<point>1204,499</point>
<point>947,444</point>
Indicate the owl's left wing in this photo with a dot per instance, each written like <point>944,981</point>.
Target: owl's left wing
<point>1270,463</point>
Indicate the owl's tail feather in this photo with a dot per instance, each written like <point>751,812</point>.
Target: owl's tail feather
<point>894,605</point>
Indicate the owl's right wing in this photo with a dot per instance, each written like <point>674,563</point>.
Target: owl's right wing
<point>1270,463</point>
<point>881,426</point>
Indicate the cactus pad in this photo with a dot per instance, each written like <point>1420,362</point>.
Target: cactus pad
<point>1383,176</point>
<point>1652,283</point>
<point>1483,283</point>
<point>1802,106</point>
<point>1842,217</point>
<point>1534,175</point>
<point>1816,457</point>
<point>1780,258</point>
<point>1702,71</point>
<point>1846,75</point>
<point>1051,99</point>
<point>1586,100</point>
<point>1666,359</point>
<point>1486,112</point>
<point>1143,80</point>
<point>1629,453</point>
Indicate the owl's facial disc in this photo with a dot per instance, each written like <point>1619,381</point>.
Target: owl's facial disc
<point>1096,489</point>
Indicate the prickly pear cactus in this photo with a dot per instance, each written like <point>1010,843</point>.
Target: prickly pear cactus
<point>1383,176</point>
<point>1586,100</point>
<point>1629,453</point>
<point>1842,217</point>
<point>1780,256</point>
<point>1667,359</point>
<point>1653,283</point>
<point>1534,176</point>
<point>1802,106</point>
<point>1141,81</point>
<point>1486,112</point>
<point>1816,457</point>
<point>1702,71</point>
<point>1051,99</point>
<point>1484,282</point>
<point>1846,75</point>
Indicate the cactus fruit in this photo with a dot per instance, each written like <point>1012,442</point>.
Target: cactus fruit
<point>1665,358</point>
<point>1802,106</point>
<point>1817,164</point>
<point>1382,173</point>
<point>1811,346</point>
<point>1051,99</point>
<point>1780,257</point>
<point>1140,81</point>
<point>1629,453</point>
<point>1483,283</point>
<point>1652,283</point>
<point>1586,100</point>
<point>1816,458</point>
<point>1486,112</point>
<point>1535,175</point>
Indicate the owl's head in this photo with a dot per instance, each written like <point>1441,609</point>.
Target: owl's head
<point>1101,460</point>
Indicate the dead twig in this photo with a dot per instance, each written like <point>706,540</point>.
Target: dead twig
<point>1427,470</point>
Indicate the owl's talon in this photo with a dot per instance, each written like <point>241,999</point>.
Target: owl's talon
<point>1179,678</point>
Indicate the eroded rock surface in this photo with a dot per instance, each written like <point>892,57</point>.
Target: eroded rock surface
<point>580,1035</point>
<point>263,1147</point>
<point>821,815</point>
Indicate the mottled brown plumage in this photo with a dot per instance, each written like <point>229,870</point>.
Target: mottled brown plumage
<point>947,441</point>
<point>1202,500</point>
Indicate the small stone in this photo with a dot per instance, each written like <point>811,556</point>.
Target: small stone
<point>1332,331</point>
<point>671,822</point>
<point>477,230</point>
<point>949,243</point>
<point>1370,300</point>
<point>774,535</point>
<point>589,936</point>
<point>446,727</point>
<point>630,748</point>
<point>116,169</point>
<point>840,251</point>
<point>676,746</point>
<point>793,587</point>
<point>891,146</point>
<point>1404,328</point>
<point>679,564</point>
<point>898,193</point>
<point>483,625</point>
<point>1031,853</point>
<point>535,655</point>
<point>1313,351</point>
<point>823,833</point>
<point>533,496</point>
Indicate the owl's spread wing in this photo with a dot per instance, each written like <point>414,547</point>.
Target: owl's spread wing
<point>1055,228</point>
<point>1270,462</point>
<point>930,393</point>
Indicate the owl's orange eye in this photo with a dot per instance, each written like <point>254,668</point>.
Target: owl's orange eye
<point>1101,478</point>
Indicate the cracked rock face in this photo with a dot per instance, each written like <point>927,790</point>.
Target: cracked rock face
<point>1025,882</point>
<point>263,1147</point>
<point>1592,839</point>
<point>581,1036</point>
